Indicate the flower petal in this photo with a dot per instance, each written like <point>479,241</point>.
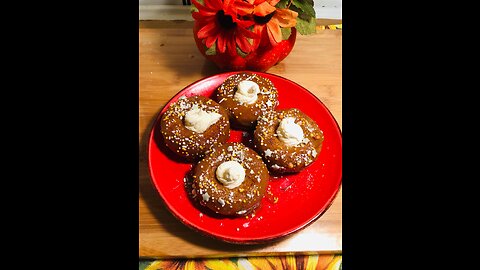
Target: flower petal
<point>335,264</point>
<point>263,9</point>
<point>243,8</point>
<point>290,262</point>
<point>226,3</point>
<point>322,260</point>
<point>276,262</point>
<point>202,17</point>
<point>245,24</point>
<point>248,33</point>
<point>214,4</point>
<point>273,2</point>
<point>221,42</point>
<point>274,32</point>
<point>207,13</point>
<point>203,8</point>
<point>258,30</point>
<point>220,264</point>
<point>243,43</point>
<point>164,264</point>
<point>260,263</point>
<point>244,264</point>
<point>210,40</point>
<point>286,17</point>
<point>207,30</point>
<point>232,45</point>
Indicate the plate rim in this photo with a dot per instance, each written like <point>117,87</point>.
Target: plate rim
<point>236,240</point>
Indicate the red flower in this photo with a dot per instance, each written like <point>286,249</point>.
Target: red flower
<point>219,23</point>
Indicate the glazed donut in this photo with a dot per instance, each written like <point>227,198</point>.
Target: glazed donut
<point>246,96</point>
<point>231,180</point>
<point>193,125</point>
<point>288,140</point>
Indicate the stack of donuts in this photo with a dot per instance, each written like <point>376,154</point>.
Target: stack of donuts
<point>230,178</point>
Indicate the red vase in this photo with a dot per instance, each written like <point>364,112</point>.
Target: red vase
<point>261,59</point>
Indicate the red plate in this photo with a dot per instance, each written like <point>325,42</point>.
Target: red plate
<point>292,202</point>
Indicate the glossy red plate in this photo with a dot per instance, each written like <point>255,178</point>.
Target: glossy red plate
<point>292,202</point>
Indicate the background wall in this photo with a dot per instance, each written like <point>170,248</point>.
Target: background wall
<point>176,10</point>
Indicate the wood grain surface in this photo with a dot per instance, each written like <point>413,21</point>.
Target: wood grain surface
<point>169,61</point>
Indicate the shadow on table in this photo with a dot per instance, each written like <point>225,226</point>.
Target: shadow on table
<point>168,221</point>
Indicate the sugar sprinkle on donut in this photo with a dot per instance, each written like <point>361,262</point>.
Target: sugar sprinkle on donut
<point>282,157</point>
<point>186,142</point>
<point>222,199</point>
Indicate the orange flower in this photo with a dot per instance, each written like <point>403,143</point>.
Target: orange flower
<point>257,7</point>
<point>219,23</point>
<point>268,19</point>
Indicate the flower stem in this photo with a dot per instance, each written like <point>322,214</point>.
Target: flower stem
<point>289,3</point>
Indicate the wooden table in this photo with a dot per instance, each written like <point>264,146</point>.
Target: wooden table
<point>169,61</point>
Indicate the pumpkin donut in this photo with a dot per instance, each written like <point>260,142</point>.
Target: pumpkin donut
<point>246,96</point>
<point>231,180</point>
<point>193,125</point>
<point>288,140</point>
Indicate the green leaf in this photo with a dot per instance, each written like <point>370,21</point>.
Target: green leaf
<point>308,2</point>
<point>241,53</point>
<point>306,7</point>
<point>142,264</point>
<point>286,33</point>
<point>306,27</point>
<point>301,14</point>
<point>282,4</point>
<point>212,50</point>
<point>193,8</point>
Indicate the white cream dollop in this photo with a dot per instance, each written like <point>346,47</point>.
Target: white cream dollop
<point>231,174</point>
<point>290,133</point>
<point>247,92</point>
<point>199,120</point>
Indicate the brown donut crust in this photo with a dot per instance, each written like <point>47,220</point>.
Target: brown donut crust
<point>244,116</point>
<point>187,143</point>
<point>281,158</point>
<point>239,201</point>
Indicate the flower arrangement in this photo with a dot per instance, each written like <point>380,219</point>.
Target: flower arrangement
<point>250,34</point>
